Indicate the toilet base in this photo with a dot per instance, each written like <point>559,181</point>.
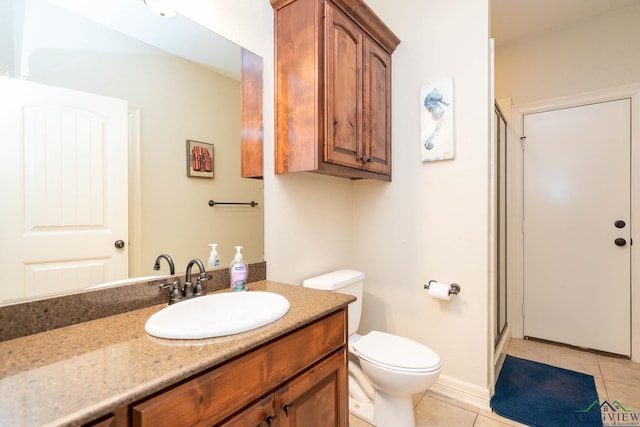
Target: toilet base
<point>393,411</point>
<point>361,410</point>
<point>388,411</point>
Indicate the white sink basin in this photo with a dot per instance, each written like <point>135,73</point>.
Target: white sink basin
<point>217,315</point>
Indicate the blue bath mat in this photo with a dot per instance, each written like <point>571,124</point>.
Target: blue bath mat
<point>540,395</point>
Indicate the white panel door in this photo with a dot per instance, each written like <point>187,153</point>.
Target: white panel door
<point>63,169</point>
<point>577,276</point>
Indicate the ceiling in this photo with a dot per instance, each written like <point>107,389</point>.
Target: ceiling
<point>133,18</point>
<point>515,19</point>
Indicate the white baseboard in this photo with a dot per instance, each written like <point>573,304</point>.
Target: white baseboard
<point>462,391</point>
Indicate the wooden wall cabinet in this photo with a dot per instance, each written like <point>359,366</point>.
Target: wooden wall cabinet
<point>251,124</point>
<point>297,380</point>
<point>333,89</point>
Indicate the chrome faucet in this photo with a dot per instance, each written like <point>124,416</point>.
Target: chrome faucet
<point>189,289</point>
<point>172,268</point>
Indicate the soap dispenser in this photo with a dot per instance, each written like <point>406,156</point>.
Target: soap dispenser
<point>238,271</point>
<point>214,261</point>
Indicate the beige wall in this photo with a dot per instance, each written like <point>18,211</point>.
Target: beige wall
<point>429,223</point>
<point>593,54</point>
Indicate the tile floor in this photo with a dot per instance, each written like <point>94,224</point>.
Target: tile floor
<point>616,379</point>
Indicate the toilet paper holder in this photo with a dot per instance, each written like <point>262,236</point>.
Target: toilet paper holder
<point>454,288</point>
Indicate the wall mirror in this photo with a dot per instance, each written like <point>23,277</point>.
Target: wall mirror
<point>173,81</point>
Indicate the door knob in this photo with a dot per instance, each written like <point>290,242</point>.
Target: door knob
<point>619,223</point>
<point>119,244</point>
<point>620,241</point>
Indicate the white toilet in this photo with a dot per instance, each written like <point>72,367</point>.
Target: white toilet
<point>385,370</point>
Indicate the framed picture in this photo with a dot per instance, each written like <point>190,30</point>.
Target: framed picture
<point>436,120</point>
<point>199,159</point>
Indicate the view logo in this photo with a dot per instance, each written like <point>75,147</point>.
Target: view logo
<point>614,414</point>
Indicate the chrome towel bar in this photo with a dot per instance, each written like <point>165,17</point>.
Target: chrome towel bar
<point>251,203</point>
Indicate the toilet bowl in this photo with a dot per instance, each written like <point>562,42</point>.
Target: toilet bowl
<point>385,370</point>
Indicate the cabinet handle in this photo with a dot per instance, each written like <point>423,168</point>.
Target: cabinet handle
<point>270,418</point>
<point>285,408</point>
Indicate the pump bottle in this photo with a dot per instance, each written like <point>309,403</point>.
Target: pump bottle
<point>238,271</point>
<point>214,261</point>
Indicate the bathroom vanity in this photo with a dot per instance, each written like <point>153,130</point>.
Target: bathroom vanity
<point>109,372</point>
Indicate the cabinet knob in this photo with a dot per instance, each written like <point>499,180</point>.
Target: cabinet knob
<point>285,408</point>
<point>270,418</point>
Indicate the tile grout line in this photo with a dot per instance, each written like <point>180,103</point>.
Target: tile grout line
<point>604,382</point>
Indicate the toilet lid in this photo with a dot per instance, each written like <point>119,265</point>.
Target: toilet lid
<point>396,352</point>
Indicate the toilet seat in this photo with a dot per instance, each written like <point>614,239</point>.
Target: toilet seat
<point>396,353</point>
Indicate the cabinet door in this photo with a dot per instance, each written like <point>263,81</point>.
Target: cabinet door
<point>343,87</point>
<point>251,126</point>
<point>260,414</point>
<point>376,121</point>
<point>318,397</point>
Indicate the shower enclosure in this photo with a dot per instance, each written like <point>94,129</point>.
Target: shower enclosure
<point>501,223</point>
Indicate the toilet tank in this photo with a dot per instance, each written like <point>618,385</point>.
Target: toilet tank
<point>349,282</point>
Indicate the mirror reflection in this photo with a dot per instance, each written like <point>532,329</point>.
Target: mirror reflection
<point>100,108</point>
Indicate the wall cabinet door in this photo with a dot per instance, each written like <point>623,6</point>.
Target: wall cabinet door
<point>344,41</point>
<point>376,121</point>
<point>358,93</point>
<point>251,125</point>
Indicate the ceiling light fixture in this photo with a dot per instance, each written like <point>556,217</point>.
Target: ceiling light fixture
<point>160,8</point>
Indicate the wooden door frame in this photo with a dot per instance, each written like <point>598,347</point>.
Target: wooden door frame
<point>515,202</point>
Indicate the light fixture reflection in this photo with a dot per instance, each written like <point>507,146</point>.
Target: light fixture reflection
<point>160,8</point>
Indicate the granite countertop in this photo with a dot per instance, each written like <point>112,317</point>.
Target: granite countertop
<point>72,375</point>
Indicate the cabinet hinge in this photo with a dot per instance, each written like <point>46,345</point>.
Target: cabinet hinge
<point>522,140</point>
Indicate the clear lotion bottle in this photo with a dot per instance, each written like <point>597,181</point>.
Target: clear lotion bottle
<point>238,271</point>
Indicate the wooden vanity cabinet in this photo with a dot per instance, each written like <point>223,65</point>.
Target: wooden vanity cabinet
<point>297,380</point>
<point>313,399</point>
<point>318,397</point>
<point>333,89</point>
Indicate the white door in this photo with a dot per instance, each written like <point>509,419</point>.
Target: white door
<point>63,169</point>
<point>577,254</point>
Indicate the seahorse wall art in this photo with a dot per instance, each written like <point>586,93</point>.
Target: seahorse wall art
<point>436,120</point>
